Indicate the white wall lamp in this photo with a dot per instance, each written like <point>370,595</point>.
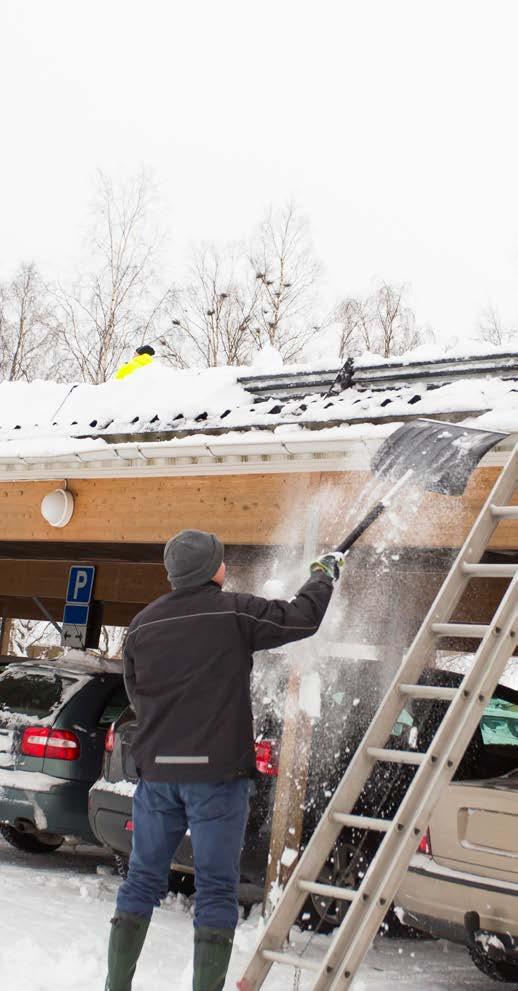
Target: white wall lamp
<point>57,508</point>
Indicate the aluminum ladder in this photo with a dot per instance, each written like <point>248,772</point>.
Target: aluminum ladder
<point>370,902</point>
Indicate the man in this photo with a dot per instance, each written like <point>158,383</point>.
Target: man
<point>143,356</point>
<point>187,665</point>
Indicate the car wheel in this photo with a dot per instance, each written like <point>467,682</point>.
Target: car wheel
<point>506,973</point>
<point>178,882</point>
<point>324,915</point>
<point>31,842</point>
<point>122,864</point>
<point>181,883</point>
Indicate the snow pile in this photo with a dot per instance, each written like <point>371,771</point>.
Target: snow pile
<point>268,359</point>
<point>153,391</point>
<point>28,780</point>
<point>40,418</point>
<point>127,788</point>
<point>83,662</point>
<point>45,446</point>
<point>473,347</point>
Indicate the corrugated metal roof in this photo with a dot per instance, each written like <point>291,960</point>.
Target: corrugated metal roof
<point>389,374</point>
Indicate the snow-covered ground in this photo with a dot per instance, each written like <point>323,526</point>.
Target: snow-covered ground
<point>54,922</point>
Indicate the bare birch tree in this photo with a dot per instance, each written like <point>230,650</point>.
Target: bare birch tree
<point>490,327</point>
<point>353,318</point>
<point>381,323</point>
<point>31,635</point>
<point>115,305</point>
<point>28,326</point>
<point>287,275</point>
<point>395,322</point>
<point>212,317</point>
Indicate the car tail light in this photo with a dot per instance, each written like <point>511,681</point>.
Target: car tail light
<point>41,741</point>
<point>425,845</point>
<point>34,741</point>
<point>129,825</point>
<point>267,757</point>
<point>63,745</point>
<point>110,739</point>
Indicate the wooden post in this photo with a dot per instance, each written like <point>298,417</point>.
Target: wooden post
<point>5,634</point>
<point>290,794</point>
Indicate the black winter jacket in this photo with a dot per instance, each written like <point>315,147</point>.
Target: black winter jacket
<point>187,664</point>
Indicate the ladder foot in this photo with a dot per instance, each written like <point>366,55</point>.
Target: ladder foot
<point>244,985</point>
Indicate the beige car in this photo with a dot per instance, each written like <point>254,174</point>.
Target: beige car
<point>462,884</point>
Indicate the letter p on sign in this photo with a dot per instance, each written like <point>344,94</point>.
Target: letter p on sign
<point>80,583</point>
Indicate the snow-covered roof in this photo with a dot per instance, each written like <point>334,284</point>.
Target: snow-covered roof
<point>391,373</point>
<point>220,413</point>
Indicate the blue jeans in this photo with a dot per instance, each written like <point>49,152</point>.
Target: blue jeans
<point>216,814</point>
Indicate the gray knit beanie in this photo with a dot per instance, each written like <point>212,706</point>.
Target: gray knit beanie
<point>192,558</point>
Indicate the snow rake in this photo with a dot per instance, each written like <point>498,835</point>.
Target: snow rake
<point>433,455</point>
<point>370,899</point>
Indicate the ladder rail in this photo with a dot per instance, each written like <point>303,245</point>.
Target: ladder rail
<point>361,765</point>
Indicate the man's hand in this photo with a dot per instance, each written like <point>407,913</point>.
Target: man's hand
<point>331,564</point>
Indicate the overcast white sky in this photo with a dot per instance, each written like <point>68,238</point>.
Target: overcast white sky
<point>392,122</point>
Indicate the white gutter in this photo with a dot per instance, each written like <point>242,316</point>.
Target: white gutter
<point>219,455</point>
<point>155,459</point>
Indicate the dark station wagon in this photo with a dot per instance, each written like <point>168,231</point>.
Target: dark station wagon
<point>53,721</point>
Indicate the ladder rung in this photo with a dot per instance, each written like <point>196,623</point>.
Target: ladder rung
<point>327,890</point>
<point>505,512</point>
<point>490,570</point>
<point>428,692</point>
<point>291,961</point>
<point>361,822</point>
<point>396,756</point>
<point>472,630</point>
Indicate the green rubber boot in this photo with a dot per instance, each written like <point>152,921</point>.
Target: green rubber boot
<point>126,941</point>
<point>212,951</point>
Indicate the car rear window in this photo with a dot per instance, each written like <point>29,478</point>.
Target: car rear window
<point>499,724</point>
<point>33,693</point>
<point>116,703</point>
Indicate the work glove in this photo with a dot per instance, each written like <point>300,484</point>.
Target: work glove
<point>331,564</point>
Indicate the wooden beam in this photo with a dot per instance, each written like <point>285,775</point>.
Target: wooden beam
<point>434,521</point>
<point>74,551</point>
<point>115,613</point>
<point>258,509</point>
<point>114,582</point>
<point>241,509</point>
<point>77,551</point>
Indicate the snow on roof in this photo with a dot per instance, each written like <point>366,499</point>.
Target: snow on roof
<point>45,419</point>
<point>74,661</point>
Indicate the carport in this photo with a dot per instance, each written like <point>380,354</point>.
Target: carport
<point>275,476</point>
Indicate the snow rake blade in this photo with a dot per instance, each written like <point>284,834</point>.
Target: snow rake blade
<point>440,455</point>
<point>432,454</point>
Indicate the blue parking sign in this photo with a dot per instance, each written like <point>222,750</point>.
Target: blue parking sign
<point>80,583</point>
<point>75,615</point>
